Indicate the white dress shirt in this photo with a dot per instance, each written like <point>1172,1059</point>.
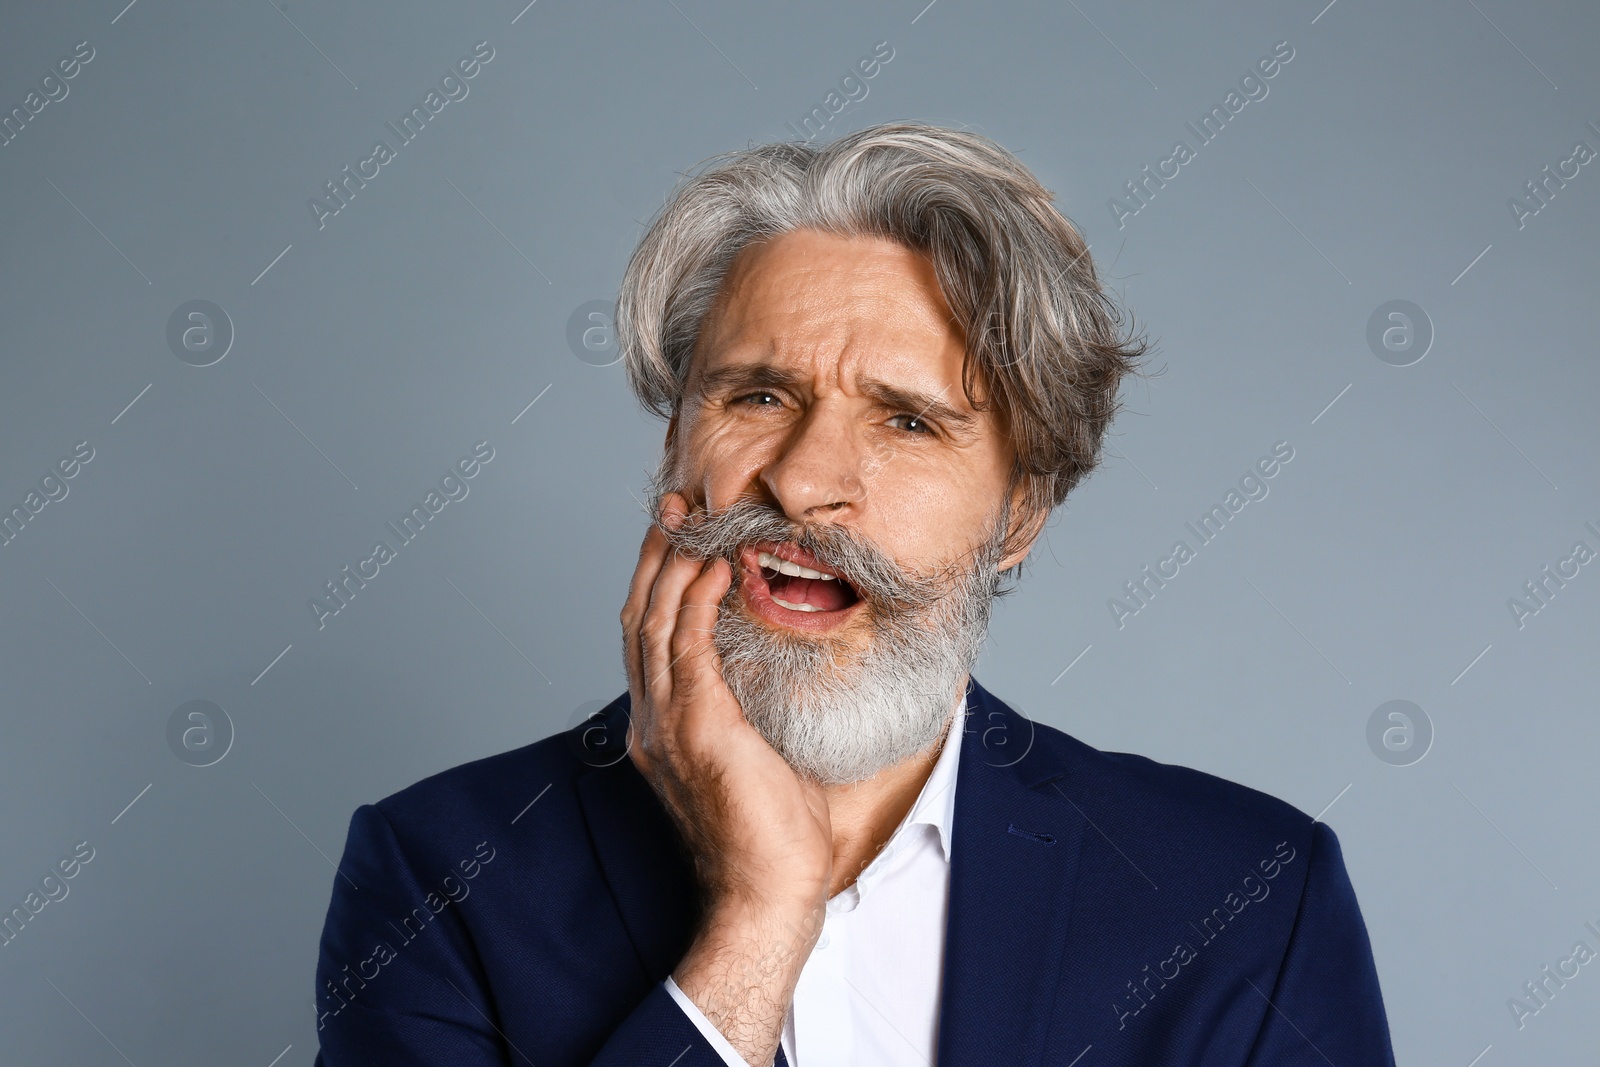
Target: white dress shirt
<point>869,992</point>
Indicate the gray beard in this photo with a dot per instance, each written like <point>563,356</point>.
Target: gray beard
<point>839,717</point>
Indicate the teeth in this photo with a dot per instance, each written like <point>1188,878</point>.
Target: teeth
<point>783,566</point>
<point>796,607</point>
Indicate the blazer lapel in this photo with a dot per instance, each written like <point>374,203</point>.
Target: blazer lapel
<point>1014,866</point>
<point>637,844</point>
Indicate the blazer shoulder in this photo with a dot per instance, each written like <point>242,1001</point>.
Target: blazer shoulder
<point>1180,803</point>
<point>493,792</point>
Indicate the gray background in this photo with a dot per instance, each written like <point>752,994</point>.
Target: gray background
<point>427,315</point>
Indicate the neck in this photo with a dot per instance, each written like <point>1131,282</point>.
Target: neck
<point>865,814</point>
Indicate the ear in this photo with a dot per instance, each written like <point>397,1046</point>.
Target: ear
<point>1026,525</point>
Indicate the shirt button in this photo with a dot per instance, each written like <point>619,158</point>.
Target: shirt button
<point>822,942</point>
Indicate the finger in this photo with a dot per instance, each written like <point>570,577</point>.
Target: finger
<point>661,619</point>
<point>684,720</point>
<point>693,646</point>
<point>673,511</point>
<point>652,554</point>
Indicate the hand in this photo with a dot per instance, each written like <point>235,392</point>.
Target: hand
<point>760,836</point>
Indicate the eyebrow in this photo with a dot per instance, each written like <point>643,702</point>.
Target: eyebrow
<point>746,376</point>
<point>920,404</point>
<point>765,376</point>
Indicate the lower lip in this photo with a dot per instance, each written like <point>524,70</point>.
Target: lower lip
<point>761,603</point>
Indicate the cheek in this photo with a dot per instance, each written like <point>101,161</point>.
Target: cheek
<point>718,461</point>
<point>925,511</point>
<point>968,494</point>
<point>956,486</point>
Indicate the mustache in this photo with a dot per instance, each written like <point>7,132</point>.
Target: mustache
<point>726,532</point>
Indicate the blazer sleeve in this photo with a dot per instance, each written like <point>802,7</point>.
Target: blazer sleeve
<point>426,1001</point>
<point>724,1047</point>
<point>1325,1005</point>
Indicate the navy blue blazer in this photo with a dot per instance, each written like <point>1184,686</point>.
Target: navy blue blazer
<point>1104,910</point>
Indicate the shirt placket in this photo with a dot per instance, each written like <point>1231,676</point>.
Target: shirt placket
<point>823,1019</point>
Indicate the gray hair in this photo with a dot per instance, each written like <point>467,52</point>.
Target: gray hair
<point>1041,335</point>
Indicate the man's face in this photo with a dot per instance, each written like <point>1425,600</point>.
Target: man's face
<point>824,426</point>
<point>827,384</point>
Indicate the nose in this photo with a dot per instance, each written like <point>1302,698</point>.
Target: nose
<point>817,475</point>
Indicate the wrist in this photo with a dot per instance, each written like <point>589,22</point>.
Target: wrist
<point>765,939</point>
<point>743,966</point>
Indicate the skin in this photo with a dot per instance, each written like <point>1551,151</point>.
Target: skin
<point>826,382</point>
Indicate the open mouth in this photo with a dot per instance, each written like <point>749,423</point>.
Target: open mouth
<point>788,586</point>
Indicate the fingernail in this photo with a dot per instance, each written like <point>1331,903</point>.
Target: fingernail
<point>672,513</point>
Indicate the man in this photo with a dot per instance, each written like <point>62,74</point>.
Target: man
<point>806,835</point>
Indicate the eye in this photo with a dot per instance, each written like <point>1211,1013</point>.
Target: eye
<point>915,424</point>
<point>763,394</point>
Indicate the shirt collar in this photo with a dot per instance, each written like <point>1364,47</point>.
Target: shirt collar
<point>936,804</point>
